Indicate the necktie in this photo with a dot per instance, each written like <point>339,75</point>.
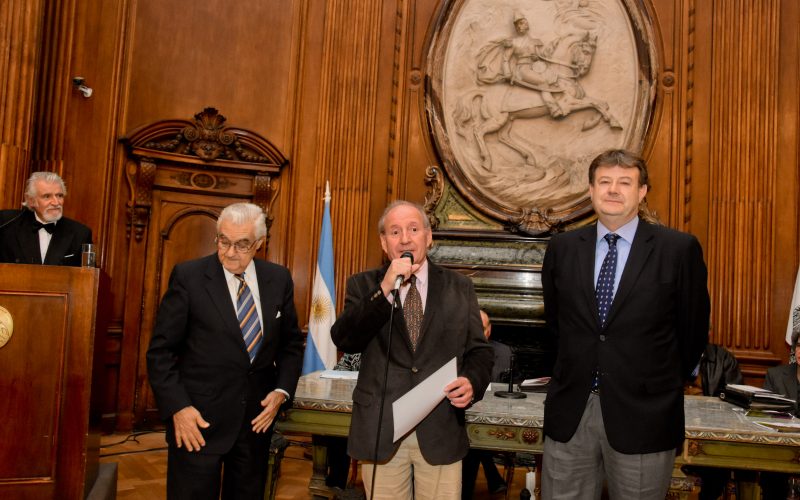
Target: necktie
<point>247,314</point>
<point>49,227</point>
<point>604,291</point>
<point>412,312</point>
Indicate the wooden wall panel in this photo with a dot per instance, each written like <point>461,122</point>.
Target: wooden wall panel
<point>20,40</point>
<point>743,171</point>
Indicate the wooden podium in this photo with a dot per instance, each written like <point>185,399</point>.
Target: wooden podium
<point>49,449</point>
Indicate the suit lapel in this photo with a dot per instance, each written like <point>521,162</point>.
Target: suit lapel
<point>641,249</point>
<point>433,303</point>
<point>28,239</point>
<point>58,246</point>
<point>217,289</point>
<point>269,308</point>
<point>586,253</point>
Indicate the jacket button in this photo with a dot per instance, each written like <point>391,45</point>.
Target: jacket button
<point>602,338</point>
<point>414,369</point>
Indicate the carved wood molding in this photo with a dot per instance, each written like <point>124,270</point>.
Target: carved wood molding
<point>200,155</point>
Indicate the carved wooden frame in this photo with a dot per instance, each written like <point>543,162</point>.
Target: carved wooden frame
<point>204,142</point>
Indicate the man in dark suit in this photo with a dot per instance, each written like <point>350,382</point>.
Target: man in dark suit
<point>438,321</point>
<point>39,233</point>
<point>628,303</point>
<point>225,354</point>
<point>783,379</point>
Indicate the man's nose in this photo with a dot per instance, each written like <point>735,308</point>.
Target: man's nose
<point>231,251</point>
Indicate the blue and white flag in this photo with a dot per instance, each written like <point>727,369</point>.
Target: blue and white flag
<point>320,351</point>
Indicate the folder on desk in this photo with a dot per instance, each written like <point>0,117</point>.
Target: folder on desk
<point>751,397</point>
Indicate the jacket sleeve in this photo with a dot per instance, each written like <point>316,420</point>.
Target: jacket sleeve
<point>168,335</point>
<point>694,307</point>
<point>478,353</point>
<point>289,358</point>
<point>366,311</point>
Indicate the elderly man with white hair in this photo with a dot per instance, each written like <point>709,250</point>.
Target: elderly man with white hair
<point>225,354</point>
<point>39,233</point>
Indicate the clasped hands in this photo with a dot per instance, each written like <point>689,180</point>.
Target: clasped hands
<point>188,422</point>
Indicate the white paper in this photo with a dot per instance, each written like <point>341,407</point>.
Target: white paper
<point>412,407</point>
<point>750,389</point>
<point>339,374</point>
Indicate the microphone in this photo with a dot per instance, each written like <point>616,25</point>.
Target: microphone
<point>400,278</point>
<point>20,214</point>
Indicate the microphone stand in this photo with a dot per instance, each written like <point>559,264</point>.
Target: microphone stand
<point>510,393</point>
<point>395,305</point>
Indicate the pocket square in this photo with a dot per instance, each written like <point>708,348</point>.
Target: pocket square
<point>278,315</point>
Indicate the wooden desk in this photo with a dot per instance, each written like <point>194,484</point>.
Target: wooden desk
<point>717,433</point>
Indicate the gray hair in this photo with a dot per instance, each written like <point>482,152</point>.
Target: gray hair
<point>243,213</point>
<point>49,177</point>
<point>398,203</point>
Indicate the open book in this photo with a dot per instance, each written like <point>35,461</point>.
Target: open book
<point>748,396</point>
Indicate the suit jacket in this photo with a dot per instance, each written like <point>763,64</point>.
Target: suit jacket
<point>19,240</point>
<point>783,380</point>
<point>451,327</point>
<point>718,367</point>
<point>654,334</point>
<point>502,361</point>
<point>197,355</point>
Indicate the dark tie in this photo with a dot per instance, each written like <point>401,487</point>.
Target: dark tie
<point>605,280</point>
<point>49,227</point>
<point>412,312</point>
<point>248,317</point>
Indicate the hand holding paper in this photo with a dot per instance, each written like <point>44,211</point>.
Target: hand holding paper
<point>412,407</point>
<point>460,392</point>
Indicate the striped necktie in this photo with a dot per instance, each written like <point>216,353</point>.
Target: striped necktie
<point>247,314</point>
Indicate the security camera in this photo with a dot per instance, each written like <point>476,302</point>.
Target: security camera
<point>78,83</point>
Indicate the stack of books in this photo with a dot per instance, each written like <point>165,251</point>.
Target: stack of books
<point>750,397</point>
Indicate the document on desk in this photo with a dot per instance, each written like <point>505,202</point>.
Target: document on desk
<point>412,407</point>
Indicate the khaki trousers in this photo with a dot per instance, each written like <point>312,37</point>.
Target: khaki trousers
<point>394,478</point>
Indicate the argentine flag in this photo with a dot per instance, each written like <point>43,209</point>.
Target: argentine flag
<point>320,351</point>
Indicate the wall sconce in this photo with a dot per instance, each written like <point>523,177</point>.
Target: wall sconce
<point>78,83</point>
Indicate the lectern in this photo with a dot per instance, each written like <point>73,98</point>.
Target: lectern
<point>48,449</point>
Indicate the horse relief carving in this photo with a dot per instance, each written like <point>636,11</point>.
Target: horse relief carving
<point>527,92</point>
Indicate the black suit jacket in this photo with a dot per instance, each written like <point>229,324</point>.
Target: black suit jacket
<point>19,240</point>
<point>655,332</point>
<point>783,380</point>
<point>197,355</point>
<point>451,327</point>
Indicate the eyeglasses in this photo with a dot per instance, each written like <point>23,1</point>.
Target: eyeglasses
<point>240,246</point>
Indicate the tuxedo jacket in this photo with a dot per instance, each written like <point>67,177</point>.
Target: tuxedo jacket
<point>783,380</point>
<point>197,355</point>
<point>451,327</point>
<point>19,240</point>
<point>655,332</point>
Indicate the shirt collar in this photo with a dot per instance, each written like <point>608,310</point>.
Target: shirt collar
<point>249,273</point>
<point>422,273</point>
<point>626,232</point>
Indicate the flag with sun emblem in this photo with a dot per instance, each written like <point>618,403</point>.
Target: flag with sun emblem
<point>320,351</point>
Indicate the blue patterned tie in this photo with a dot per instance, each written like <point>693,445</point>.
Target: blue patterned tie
<point>605,281</point>
<point>247,314</point>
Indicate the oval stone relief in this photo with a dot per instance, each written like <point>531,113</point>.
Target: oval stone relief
<point>523,94</point>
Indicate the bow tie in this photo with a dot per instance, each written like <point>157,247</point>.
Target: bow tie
<point>49,227</point>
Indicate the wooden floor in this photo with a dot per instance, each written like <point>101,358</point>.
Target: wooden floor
<point>142,465</point>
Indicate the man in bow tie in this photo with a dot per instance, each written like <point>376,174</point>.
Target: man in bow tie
<point>39,233</point>
<point>225,354</point>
